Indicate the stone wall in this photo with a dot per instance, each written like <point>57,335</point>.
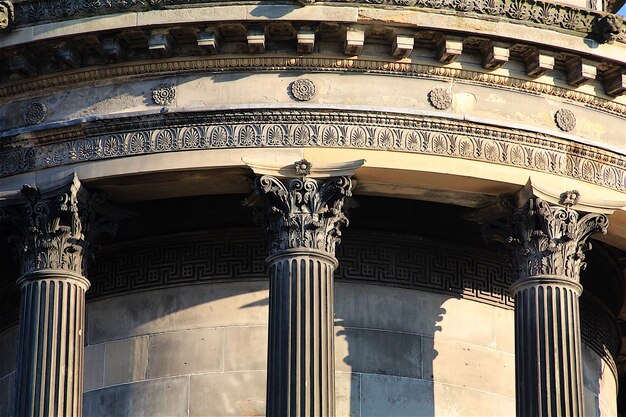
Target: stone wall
<point>200,350</point>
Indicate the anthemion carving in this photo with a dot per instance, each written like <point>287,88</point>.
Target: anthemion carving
<point>36,113</point>
<point>321,128</point>
<point>302,89</point>
<point>440,98</point>
<point>7,14</point>
<point>565,120</point>
<point>164,94</point>
<point>304,212</point>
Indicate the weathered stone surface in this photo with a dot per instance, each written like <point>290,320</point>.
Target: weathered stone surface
<point>94,367</point>
<point>7,395</point>
<point>186,352</point>
<point>156,398</point>
<point>8,350</point>
<point>171,309</point>
<point>378,352</point>
<point>455,401</point>
<point>395,396</point>
<point>245,348</point>
<point>125,360</point>
<point>228,394</point>
<point>347,394</point>
<point>470,366</point>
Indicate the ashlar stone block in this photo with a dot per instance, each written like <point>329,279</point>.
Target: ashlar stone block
<point>186,352</point>
<point>125,360</point>
<point>155,398</point>
<point>228,394</point>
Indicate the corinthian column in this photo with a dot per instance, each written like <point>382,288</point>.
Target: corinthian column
<point>302,217</point>
<point>548,243</point>
<point>49,233</point>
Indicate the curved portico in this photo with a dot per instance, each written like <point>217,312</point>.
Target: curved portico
<point>506,114</point>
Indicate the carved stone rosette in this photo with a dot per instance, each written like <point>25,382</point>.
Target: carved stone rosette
<point>49,232</point>
<point>303,217</point>
<point>548,242</point>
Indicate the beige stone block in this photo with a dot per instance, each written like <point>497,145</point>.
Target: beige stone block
<point>385,395</point>
<point>186,352</point>
<point>228,394</point>
<point>347,394</point>
<point>388,308</point>
<point>467,321</point>
<point>504,329</point>
<point>8,352</point>
<point>469,366</point>
<point>378,352</point>
<point>171,309</point>
<point>454,401</point>
<point>125,360</point>
<point>245,348</point>
<point>165,397</point>
<point>94,367</point>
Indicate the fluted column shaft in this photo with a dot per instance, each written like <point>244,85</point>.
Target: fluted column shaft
<point>301,363</point>
<point>548,243</point>
<point>49,376</point>
<point>302,217</point>
<point>547,347</point>
<point>51,232</point>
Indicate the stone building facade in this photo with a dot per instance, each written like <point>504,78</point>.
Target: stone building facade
<point>312,208</point>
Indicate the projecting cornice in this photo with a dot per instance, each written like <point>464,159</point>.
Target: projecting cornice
<point>583,22</point>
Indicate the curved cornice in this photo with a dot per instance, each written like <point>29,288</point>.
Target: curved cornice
<point>279,128</point>
<point>301,63</point>
<point>561,17</point>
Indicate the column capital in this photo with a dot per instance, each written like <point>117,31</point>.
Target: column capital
<point>303,213</point>
<point>548,239</point>
<point>52,228</point>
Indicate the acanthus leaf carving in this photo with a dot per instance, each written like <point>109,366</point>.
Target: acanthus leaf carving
<point>548,239</point>
<point>303,213</point>
<point>55,230</point>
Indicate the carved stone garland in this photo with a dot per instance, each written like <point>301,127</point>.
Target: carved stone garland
<point>302,218</point>
<point>548,243</point>
<point>49,236</point>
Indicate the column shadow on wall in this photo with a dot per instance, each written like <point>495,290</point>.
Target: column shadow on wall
<point>389,364</point>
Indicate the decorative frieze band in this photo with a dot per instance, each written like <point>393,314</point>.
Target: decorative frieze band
<point>403,261</point>
<point>386,259</point>
<point>294,128</point>
<point>306,64</point>
<point>585,22</point>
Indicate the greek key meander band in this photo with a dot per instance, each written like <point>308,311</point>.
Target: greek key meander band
<point>558,17</point>
<point>395,260</point>
<point>179,66</point>
<point>311,128</point>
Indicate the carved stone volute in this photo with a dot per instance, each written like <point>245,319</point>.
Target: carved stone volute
<point>52,229</point>
<point>303,213</point>
<point>7,14</point>
<point>549,239</point>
